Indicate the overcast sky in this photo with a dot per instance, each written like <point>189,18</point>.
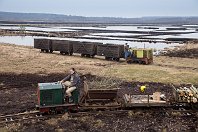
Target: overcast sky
<point>111,8</point>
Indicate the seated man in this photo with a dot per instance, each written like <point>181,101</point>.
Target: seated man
<point>71,82</point>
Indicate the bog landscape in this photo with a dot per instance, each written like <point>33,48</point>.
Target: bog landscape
<point>40,48</point>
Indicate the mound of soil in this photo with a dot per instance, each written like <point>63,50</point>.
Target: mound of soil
<point>188,53</point>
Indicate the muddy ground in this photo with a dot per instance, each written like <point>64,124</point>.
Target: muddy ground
<point>144,121</point>
<point>18,94</point>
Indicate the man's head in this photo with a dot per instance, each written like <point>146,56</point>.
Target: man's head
<point>72,71</point>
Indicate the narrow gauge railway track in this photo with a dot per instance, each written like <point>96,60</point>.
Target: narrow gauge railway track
<point>20,117</point>
<point>167,111</point>
<point>6,119</point>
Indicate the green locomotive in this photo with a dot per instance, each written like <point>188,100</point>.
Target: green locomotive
<point>51,98</point>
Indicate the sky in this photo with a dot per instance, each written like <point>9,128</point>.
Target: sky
<point>104,8</point>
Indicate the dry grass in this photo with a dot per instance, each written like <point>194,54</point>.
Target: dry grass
<point>20,59</point>
<point>3,129</point>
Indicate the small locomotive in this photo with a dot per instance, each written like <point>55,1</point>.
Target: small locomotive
<point>52,98</point>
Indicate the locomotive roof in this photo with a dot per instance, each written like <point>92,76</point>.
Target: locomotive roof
<point>47,86</point>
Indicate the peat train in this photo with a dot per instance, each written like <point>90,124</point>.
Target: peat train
<point>90,49</point>
<point>52,99</point>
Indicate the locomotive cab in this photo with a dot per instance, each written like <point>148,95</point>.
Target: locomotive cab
<point>144,56</point>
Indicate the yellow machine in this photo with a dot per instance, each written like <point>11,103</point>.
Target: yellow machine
<point>142,56</point>
<point>142,88</point>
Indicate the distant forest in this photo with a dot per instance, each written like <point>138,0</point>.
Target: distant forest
<point>11,17</point>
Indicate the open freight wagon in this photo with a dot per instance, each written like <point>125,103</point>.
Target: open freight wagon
<point>111,51</point>
<point>64,46</point>
<point>44,45</point>
<point>87,49</point>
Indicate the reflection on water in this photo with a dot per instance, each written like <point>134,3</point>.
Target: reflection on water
<point>46,29</point>
<point>136,28</point>
<point>190,25</point>
<point>117,38</point>
<point>29,41</point>
<point>116,34</point>
<point>151,28</point>
<point>190,35</point>
<point>18,40</point>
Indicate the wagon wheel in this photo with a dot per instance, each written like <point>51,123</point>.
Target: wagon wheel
<point>66,53</point>
<point>117,59</point>
<point>52,111</point>
<point>128,62</point>
<point>71,53</point>
<point>88,55</point>
<point>139,61</point>
<point>146,61</point>
<point>61,52</point>
<point>195,106</point>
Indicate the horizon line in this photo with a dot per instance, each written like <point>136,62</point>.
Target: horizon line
<point>163,16</point>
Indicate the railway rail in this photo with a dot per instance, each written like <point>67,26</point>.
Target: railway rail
<point>167,111</point>
<point>19,117</point>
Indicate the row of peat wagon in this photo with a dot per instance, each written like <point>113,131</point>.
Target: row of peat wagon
<point>88,49</point>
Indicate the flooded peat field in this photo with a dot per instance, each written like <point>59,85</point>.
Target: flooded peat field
<point>158,37</point>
